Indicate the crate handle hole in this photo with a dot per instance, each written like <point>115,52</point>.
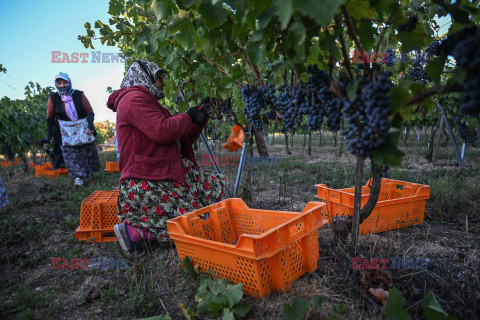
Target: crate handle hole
<point>204,216</point>
<point>399,186</point>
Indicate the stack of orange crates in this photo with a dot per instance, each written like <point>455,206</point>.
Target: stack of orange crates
<point>98,215</point>
<point>265,250</point>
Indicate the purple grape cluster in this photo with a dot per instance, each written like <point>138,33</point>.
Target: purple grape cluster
<point>433,49</point>
<point>464,46</point>
<point>390,56</point>
<point>254,103</point>
<point>467,134</point>
<point>367,116</point>
<point>417,71</point>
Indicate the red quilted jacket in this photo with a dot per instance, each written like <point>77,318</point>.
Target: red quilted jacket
<point>147,135</point>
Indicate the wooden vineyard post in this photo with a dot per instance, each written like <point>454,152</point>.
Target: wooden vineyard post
<point>439,138</point>
<point>357,206</point>
<point>286,142</point>
<point>309,144</point>
<point>340,140</point>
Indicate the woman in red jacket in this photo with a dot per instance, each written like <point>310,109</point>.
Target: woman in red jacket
<point>160,178</point>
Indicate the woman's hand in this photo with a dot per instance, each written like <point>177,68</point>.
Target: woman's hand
<point>199,115</point>
<point>88,131</point>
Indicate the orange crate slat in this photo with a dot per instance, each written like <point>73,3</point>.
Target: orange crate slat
<point>98,215</point>
<point>400,204</point>
<point>272,249</point>
<point>112,167</point>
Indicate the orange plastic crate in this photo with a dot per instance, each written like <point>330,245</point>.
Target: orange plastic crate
<point>273,249</point>
<point>400,204</point>
<point>98,215</point>
<point>52,174</point>
<point>236,139</point>
<point>46,170</point>
<point>5,164</point>
<point>112,167</point>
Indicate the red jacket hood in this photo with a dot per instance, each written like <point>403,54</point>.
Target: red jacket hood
<point>117,95</point>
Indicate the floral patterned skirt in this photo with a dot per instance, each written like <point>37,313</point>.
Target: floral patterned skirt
<point>81,161</point>
<point>148,205</point>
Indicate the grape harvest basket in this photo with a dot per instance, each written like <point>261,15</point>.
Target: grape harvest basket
<point>400,204</point>
<point>265,250</point>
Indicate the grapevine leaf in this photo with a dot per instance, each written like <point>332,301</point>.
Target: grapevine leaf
<point>414,40</point>
<point>382,6</point>
<point>241,310</point>
<point>435,67</point>
<point>389,154</point>
<point>212,16</point>
<point>186,36</point>
<point>433,310</point>
<point>285,10</point>
<point>185,4</point>
<point>352,89</point>
<point>228,314</point>
<point>255,51</point>
<point>318,302</point>
<point>314,55</point>
<point>297,310</point>
<point>458,76</point>
<point>366,32</point>
<point>139,40</point>
<point>361,8</point>
<point>234,293</point>
<point>296,33</point>
<point>163,9</point>
<point>399,97</point>
<point>266,17</point>
<point>320,11</point>
<point>394,308</point>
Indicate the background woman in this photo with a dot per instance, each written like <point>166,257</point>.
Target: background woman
<point>68,104</point>
<point>160,178</point>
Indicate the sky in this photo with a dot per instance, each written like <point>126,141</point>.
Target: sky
<point>29,32</point>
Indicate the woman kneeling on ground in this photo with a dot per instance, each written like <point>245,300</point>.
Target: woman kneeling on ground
<point>159,176</point>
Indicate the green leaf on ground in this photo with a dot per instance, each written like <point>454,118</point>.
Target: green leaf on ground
<point>433,310</point>
<point>394,308</point>
<point>297,310</point>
